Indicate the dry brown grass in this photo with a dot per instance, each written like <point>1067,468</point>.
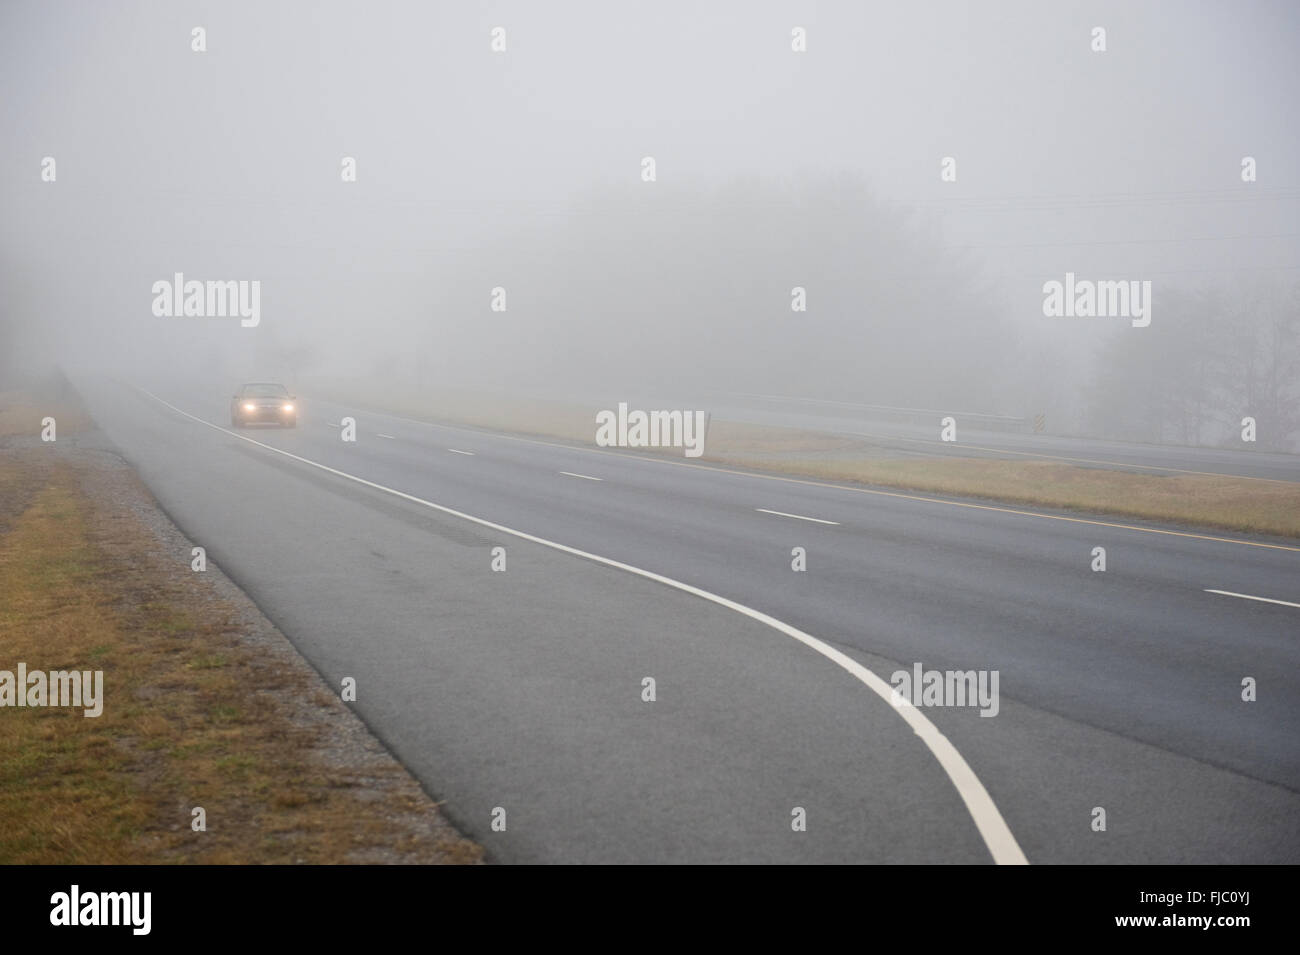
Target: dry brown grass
<point>1225,503</point>
<point>193,714</point>
<point>21,413</point>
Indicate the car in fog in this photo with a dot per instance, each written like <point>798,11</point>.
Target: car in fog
<point>265,402</point>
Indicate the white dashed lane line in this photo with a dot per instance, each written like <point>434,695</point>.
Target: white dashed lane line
<point>585,477</point>
<point>809,482</point>
<point>388,436</point>
<point>1267,600</point>
<point>455,451</point>
<point>798,517</point>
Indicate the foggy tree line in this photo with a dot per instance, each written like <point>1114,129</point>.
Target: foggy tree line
<point>664,286</point>
<point>676,287</point>
<point>1217,354</point>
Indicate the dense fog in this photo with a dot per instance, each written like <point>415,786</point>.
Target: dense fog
<point>846,201</point>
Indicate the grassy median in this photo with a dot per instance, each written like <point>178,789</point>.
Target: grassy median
<point>1222,503</point>
<point>1207,501</point>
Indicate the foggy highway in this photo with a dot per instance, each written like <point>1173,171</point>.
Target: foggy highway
<point>522,689</point>
<point>742,432</point>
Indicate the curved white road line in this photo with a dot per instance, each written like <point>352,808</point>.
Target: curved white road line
<point>992,827</point>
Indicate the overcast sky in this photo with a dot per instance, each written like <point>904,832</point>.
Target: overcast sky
<point>226,163</point>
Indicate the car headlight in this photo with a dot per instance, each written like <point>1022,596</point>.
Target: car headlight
<point>250,407</point>
<point>288,408</point>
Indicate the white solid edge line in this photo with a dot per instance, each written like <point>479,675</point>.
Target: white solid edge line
<point>1267,600</point>
<point>799,517</point>
<point>992,827</point>
<point>585,477</point>
<point>454,451</point>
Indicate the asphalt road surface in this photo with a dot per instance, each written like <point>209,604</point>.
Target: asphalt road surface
<point>522,690</point>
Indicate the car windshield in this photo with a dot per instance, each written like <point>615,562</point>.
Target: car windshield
<point>265,391</point>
